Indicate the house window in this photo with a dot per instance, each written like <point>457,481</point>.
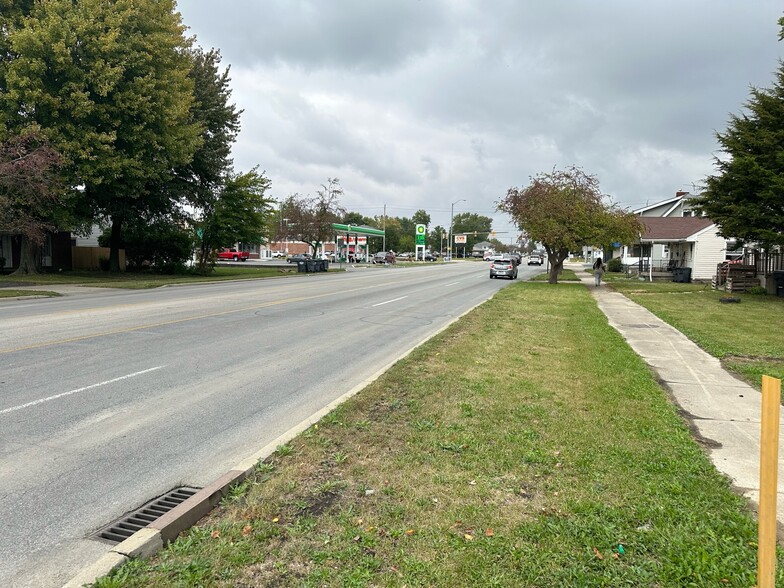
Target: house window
<point>688,213</point>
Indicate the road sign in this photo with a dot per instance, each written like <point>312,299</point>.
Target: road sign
<point>420,234</point>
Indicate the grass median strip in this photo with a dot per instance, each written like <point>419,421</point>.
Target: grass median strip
<point>526,445</point>
<point>11,293</point>
<point>142,280</point>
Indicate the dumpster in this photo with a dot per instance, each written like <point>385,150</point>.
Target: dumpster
<point>681,274</point>
<point>778,278</point>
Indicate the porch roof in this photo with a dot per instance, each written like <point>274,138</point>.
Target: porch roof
<point>668,229</point>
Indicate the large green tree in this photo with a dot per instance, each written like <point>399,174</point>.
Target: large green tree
<point>197,181</point>
<point>475,227</point>
<point>12,13</point>
<point>240,214</point>
<point>565,210</point>
<point>437,238</point>
<point>421,217</point>
<point>108,82</point>
<point>746,197</point>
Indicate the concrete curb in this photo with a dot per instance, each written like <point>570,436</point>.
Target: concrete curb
<point>148,541</point>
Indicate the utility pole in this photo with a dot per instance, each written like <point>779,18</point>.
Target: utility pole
<point>384,227</point>
<point>451,222</point>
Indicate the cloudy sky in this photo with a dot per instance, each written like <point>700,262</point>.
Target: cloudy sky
<point>422,103</point>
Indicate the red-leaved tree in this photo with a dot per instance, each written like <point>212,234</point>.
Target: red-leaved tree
<point>30,194</point>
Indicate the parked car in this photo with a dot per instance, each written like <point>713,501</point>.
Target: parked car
<point>487,255</point>
<point>278,254</point>
<point>384,257</point>
<point>431,256</point>
<point>504,267</point>
<point>233,254</point>
<point>299,257</point>
<point>535,259</point>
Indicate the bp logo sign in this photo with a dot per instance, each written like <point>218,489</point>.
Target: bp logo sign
<point>420,234</point>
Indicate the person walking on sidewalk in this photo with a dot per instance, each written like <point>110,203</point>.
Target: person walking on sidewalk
<point>598,269</point>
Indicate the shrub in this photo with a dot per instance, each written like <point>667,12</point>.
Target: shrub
<point>160,245</point>
<point>758,290</point>
<point>615,265</point>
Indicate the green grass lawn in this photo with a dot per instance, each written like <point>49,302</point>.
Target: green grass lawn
<point>532,452</point>
<point>745,336</point>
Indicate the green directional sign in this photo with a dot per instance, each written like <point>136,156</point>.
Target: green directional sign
<point>420,234</point>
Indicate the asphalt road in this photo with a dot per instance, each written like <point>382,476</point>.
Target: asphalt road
<point>109,398</point>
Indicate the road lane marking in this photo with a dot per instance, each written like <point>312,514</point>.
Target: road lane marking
<point>186,319</point>
<point>388,301</point>
<point>90,387</point>
<point>452,284</point>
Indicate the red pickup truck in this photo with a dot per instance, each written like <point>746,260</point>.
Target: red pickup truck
<point>233,254</point>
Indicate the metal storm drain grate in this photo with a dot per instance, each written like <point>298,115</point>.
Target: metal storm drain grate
<point>126,526</point>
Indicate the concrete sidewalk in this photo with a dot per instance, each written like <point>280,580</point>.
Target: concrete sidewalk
<point>723,411</point>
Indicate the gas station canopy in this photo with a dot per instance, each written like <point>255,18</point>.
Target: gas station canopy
<point>357,230</point>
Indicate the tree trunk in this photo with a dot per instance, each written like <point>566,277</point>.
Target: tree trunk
<point>555,269</point>
<point>115,244</point>
<point>28,257</point>
<point>556,259</point>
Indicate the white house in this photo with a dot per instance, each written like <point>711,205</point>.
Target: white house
<point>675,236</point>
<point>690,242</point>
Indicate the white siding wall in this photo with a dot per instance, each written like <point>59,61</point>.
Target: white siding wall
<point>709,251</point>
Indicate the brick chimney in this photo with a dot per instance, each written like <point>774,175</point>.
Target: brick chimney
<point>680,193</point>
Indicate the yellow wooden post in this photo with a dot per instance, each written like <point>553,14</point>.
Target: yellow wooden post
<point>769,462</point>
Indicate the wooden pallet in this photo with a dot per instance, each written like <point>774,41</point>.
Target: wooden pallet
<point>741,284</point>
<point>732,271</point>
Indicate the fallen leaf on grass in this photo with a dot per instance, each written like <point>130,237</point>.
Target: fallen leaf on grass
<point>275,520</point>
<point>410,532</point>
<point>598,553</point>
<point>489,533</point>
<point>246,530</point>
<point>215,534</point>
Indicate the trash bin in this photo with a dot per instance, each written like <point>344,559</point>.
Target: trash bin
<point>681,274</point>
<point>318,265</point>
<point>302,267</point>
<point>310,265</point>
<point>324,265</point>
<point>778,278</point>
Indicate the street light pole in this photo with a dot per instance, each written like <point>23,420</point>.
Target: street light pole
<point>451,221</point>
